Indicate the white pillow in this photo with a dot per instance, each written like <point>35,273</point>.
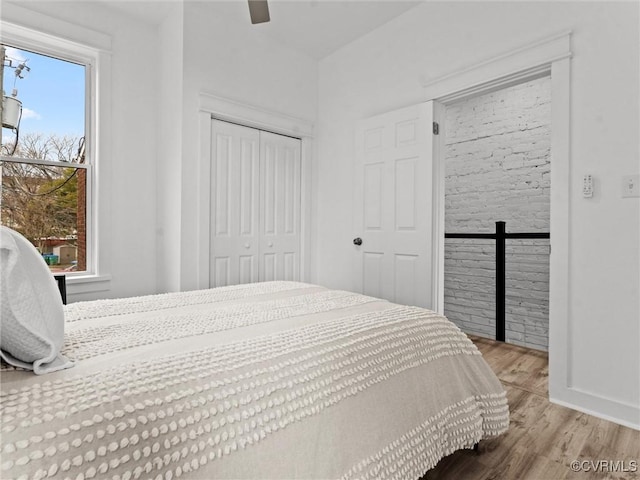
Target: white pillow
<point>31,312</point>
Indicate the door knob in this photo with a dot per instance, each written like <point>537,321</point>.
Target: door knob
<point>357,241</point>
<point>270,244</point>
<point>247,245</point>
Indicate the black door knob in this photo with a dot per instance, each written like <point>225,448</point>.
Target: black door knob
<point>357,241</point>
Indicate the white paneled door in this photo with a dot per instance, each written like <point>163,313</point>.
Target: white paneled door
<point>394,206</point>
<point>255,205</point>
<point>279,207</point>
<point>234,204</point>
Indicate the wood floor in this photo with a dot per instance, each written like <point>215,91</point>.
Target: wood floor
<point>543,439</point>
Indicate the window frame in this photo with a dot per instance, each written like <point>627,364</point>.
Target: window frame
<point>88,62</point>
<point>91,49</point>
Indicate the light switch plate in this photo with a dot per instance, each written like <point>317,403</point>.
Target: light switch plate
<point>630,186</point>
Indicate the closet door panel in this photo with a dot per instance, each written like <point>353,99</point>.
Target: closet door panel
<point>235,209</point>
<point>268,272</point>
<point>279,207</point>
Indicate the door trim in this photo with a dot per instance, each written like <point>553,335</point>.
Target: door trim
<point>497,72</point>
<point>437,229</point>
<point>216,107</point>
<point>255,117</point>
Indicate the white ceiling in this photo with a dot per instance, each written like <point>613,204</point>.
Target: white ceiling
<point>315,27</point>
<point>318,27</point>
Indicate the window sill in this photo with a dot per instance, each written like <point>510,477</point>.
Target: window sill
<point>78,284</point>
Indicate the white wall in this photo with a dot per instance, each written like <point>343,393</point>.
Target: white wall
<point>127,143</point>
<point>170,58</point>
<point>149,174</point>
<point>236,61</point>
<point>384,71</point>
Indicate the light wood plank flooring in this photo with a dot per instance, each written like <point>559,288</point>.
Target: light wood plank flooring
<point>543,438</point>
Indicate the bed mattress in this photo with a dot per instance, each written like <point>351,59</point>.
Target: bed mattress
<point>267,380</point>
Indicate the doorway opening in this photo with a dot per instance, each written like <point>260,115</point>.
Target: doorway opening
<point>497,167</point>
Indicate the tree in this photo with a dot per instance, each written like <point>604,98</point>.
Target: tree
<point>41,201</point>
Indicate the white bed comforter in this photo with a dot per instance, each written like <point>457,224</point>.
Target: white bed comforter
<point>268,380</point>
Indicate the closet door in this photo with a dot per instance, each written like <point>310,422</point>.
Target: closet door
<point>235,171</point>
<point>279,207</point>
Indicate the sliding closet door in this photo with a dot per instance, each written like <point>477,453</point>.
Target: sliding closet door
<point>235,180</point>
<point>279,207</point>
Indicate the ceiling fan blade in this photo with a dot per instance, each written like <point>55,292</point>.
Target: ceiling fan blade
<point>259,11</point>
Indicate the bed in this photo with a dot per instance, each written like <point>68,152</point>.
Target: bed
<point>269,380</point>
<point>265,380</point>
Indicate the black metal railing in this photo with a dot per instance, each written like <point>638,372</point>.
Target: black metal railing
<point>501,236</point>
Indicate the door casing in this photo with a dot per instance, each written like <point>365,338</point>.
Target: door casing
<point>548,56</point>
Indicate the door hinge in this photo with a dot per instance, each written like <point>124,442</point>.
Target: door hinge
<point>436,128</point>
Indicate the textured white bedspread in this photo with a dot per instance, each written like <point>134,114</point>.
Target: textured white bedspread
<point>268,380</point>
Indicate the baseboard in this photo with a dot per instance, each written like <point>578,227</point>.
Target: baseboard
<point>626,415</point>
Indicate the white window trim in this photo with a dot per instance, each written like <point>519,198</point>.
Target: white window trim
<point>30,30</point>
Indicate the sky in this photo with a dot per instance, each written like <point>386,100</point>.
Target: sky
<point>52,94</point>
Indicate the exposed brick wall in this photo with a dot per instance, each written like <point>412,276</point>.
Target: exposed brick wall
<point>497,168</point>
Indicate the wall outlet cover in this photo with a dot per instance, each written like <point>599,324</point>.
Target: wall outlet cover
<point>587,186</point>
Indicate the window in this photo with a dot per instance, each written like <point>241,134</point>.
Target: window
<point>46,167</point>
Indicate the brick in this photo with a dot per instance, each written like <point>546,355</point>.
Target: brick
<point>497,153</point>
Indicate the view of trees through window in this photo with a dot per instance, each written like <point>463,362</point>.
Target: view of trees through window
<point>44,172</point>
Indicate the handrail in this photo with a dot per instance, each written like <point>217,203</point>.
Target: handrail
<point>500,236</point>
